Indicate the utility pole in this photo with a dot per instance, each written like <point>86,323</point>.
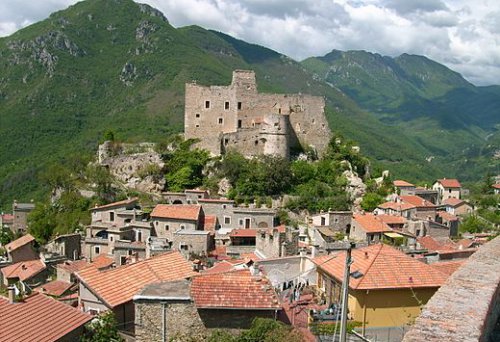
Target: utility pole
<point>345,293</point>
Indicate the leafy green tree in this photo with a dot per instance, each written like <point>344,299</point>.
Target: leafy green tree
<point>371,200</point>
<point>472,224</point>
<point>109,135</point>
<point>6,236</point>
<point>42,222</point>
<point>102,329</point>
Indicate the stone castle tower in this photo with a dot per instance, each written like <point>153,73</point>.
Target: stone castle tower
<point>237,117</point>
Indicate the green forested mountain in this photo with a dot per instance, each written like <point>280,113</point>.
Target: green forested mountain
<point>118,65</point>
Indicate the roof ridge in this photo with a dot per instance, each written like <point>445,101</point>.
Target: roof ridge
<point>371,264</point>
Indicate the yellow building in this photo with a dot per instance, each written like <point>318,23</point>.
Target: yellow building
<point>387,288</point>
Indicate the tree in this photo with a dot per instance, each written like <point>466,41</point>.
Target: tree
<point>102,329</point>
<point>371,200</point>
<point>109,135</point>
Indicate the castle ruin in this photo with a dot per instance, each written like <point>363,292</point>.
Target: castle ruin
<point>238,117</point>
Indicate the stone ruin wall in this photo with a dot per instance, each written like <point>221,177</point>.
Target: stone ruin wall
<point>217,112</point>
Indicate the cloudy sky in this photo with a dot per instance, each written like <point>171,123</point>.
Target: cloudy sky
<point>462,34</point>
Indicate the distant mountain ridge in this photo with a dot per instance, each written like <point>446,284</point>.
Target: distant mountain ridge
<point>119,65</point>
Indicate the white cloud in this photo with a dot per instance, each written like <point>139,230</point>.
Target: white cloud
<point>462,34</point>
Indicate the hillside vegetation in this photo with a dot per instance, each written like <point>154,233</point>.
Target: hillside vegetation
<point>119,65</point>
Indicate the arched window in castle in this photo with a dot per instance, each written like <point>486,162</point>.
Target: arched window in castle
<point>207,104</point>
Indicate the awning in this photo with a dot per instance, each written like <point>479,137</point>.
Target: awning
<point>393,235</point>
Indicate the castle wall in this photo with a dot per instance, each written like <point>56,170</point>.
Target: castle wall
<point>214,114</point>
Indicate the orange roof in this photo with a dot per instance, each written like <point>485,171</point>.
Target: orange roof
<point>178,212</point>
<point>417,201</point>
<point>447,216</point>
<point>396,206</point>
<point>24,269</point>
<point>243,233</point>
<point>7,217</point>
<point>391,219</point>
<point>249,256</point>
<point>73,266</point>
<point>402,183</point>
<point>496,186</point>
<point>116,204</point>
<point>449,183</point>
<point>371,223</point>
<point>454,202</point>
<point>23,240</point>
<point>448,267</point>
<point>466,243</point>
<point>118,285</point>
<point>54,288</point>
<point>38,318</point>
<point>233,290</point>
<point>382,267</point>
<point>431,244</point>
<point>102,261</point>
<point>220,267</point>
<point>210,223</point>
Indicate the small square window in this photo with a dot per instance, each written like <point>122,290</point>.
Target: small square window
<point>207,104</point>
<point>226,105</point>
<point>197,115</point>
<point>197,125</point>
<point>224,206</point>
<point>227,220</point>
<point>221,120</point>
<point>97,250</point>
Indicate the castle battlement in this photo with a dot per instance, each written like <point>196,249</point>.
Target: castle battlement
<point>238,117</point>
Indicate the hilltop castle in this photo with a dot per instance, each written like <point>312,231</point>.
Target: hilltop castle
<point>238,117</point>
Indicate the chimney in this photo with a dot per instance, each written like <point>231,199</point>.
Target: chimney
<point>12,294</point>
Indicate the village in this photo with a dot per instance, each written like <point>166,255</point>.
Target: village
<point>196,262</point>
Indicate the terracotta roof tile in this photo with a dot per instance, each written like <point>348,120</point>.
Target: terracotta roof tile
<point>7,218</point>
<point>118,285</point>
<point>243,233</point>
<point>392,219</point>
<point>454,202</point>
<point>402,183</point>
<point>24,269</point>
<point>371,223</point>
<point>496,186</point>
<point>178,212</point>
<point>450,183</point>
<point>448,267</point>
<point>73,266</point>
<point>116,204</point>
<point>210,223</point>
<point>233,290</point>
<point>431,244</point>
<point>102,261</point>
<point>382,267</point>
<point>396,206</point>
<point>38,318</point>
<point>23,240</point>
<point>54,288</point>
<point>417,201</point>
<point>447,216</point>
<point>220,267</point>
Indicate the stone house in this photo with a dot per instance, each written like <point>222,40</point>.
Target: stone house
<point>189,196</point>
<point>28,274</point>
<point>387,288</point>
<point>368,228</point>
<point>276,242</point>
<point>447,188</point>
<point>66,271</point>
<point>22,249</point>
<point>40,318</point>
<point>6,221</point>
<point>457,207</point>
<point>425,210</point>
<point>20,212</point>
<point>394,208</point>
<point>241,241</point>
<point>237,117</point>
<point>339,221</point>
<point>68,245</point>
<point>403,187</point>
<point>115,288</point>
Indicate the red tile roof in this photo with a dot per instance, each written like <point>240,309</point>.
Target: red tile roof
<point>243,233</point>
<point>382,267</point>
<point>38,318</point>
<point>396,206</point>
<point>431,244</point>
<point>54,288</point>
<point>24,269</point>
<point>448,267</point>
<point>454,202</point>
<point>447,216</point>
<point>220,267</point>
<point>249,256</point>
<point>73,266</point>
<point>496,186</point>
<point>417,201</point>
<point>116,204</point>
<point>233,290</point>
<point>210,223</point>
<point>391,219</point>
<point>7,218</point>
<point>102,261</point>
<point>371,223</point>
<point>178,212</point>
<point>402,183</point>
<point>449,183</point>
<point>23,240</point>
<point>118,285</point>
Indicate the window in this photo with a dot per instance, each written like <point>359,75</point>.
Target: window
<point>256,142</point>
<point>226,142</point>
<point>123,260</point>
<point>167,227</point>
<point>97,249</point>
<point>247,223</point>
<point>129,252</point>
<point>239,105</point>
<point>449,191</point>
<point>226,105</point>
<point>224,206</point>
<point>111,216</point>
<point>197,125</point>
<point>183,246</point>
<point>221,121</point>
<point>241,222</point>
<point>207,104</point>
<point>197,115</point>
<point>323,221</point>
<point>93,311</point>
<point>227,220</point>
<point>110,238</point>
<point>183,226</point>
<point>239,123</point>
<point>139,236</point>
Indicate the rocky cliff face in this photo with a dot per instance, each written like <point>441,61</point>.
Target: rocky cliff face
<point>136,166</point>
<point>355,187</point>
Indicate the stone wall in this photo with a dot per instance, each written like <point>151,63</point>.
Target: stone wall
<point>238,117</point>
<point>181,320</point>
<point>467,306</point>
